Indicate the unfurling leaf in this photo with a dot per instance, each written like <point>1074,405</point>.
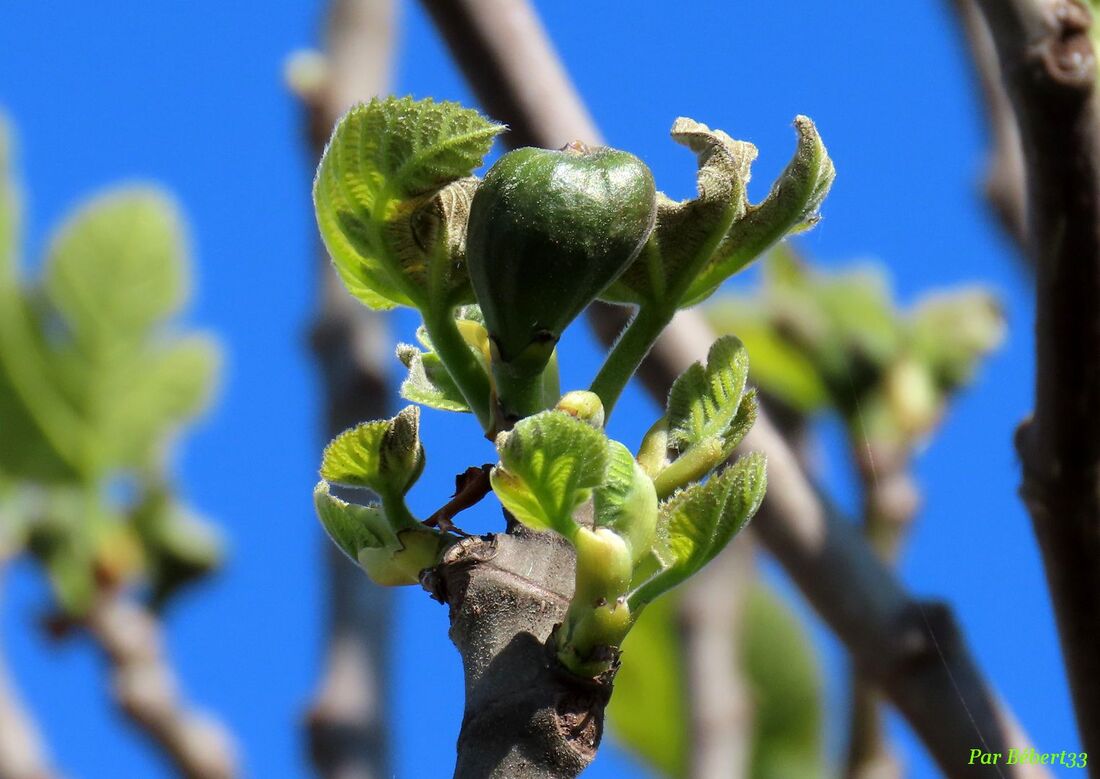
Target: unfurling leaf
<point>709,413</point>
<point>688,232</point>
<point>428,382</point>
<point>385,456</point>
<point>791,206</point>
<point>549,465</point>
<point>391,555</point>
<point>392,195</point>
<point>695,524</point>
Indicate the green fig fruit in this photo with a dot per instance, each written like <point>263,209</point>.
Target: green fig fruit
<point>548,232</point>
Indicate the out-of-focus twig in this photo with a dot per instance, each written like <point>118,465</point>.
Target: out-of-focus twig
<point>890,502</point>
<point>348,730</point>
<point>146,690</point>
<point>1004,178</point>
<point>1050,70</point>
<point>22,753</point>
<point>720,702</point>
<point>912,650</point>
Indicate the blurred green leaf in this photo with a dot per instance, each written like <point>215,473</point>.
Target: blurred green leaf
<point>783,671</point>
<point>649,715</point>
<point>116,268</point>
<point>778,367</point>
<point>549,465</point>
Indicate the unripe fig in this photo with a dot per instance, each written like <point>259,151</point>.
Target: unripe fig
<point>548,232</point>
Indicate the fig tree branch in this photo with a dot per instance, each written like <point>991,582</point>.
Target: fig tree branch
<point>1049,69</point>
<point>348,734</point>
<point>912,650</point>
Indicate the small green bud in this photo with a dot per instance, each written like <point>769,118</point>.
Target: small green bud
<point>548,232</point>
<point>913,397</point>
<point>587,647</point>
<point>401,455</point>
<point>583,405</point>
<point>399,564</point>
<point>604,566</point>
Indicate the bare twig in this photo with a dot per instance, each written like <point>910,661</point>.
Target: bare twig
<point>22,753</point>
<point>1004,179</point>
<point>912,650</point>
<point>146,689</point>
<point>720,703</point>
<point>1049,69</point>
<point>348,730</point>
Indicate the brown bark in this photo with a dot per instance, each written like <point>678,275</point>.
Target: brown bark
<point>1049,69</point>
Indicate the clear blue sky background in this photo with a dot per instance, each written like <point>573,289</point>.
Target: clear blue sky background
<point>190,95</point>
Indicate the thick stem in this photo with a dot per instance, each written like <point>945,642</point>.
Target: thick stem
<point>627,354</point>
<point>462,365</point>
<point>146,690</point>
<point>1049,68</point>
<point>526,717</point>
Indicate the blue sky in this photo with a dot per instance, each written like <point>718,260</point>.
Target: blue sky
<point>190,95</point>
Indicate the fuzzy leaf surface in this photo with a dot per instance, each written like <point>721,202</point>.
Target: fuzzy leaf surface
<point>391,195</point>
<point>549,465</point>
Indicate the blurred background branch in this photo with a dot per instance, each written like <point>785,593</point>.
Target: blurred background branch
<point>1004,177</point>
<point>349,735</point>
<point>22,752</point>
<point>146,689</point>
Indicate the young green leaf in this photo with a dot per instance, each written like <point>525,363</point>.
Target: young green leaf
<point>390,555</point>
<point>688,232</point>
<point>626,502</point>
<point>703,401</point>
<point>709,413</point>
<point>385,456</point>
<point>778,367</point>
<point>428,382</point>
<point>549,465</point>
<point>392,194</point>
<point>791,206</point>
<point>698,522</point>
<point>351,526</point>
